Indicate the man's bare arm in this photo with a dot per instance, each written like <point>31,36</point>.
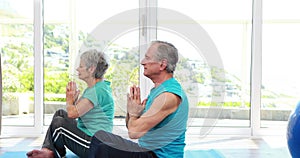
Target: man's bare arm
<point>162,106</point>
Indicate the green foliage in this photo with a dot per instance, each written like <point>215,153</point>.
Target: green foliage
<point>56,36</point>
<point>224,104</point>
<point>26,81</point>
<point>123,70</point>
<point>18,67</point>
<point>16,30</point>
<point>18,60</point>
<point>199,77</point>
<point>184,72</point>
<point>54,98</point>
<point>56,81</point>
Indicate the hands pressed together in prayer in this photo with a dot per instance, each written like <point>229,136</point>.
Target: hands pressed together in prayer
<point>72,93</point>
<point>134,105</point>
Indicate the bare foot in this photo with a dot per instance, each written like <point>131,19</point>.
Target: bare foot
<point>43,153</point>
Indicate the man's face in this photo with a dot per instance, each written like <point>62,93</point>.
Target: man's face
<point>151,65</point>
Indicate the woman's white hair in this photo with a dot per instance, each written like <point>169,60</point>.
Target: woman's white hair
<point>96,59</point>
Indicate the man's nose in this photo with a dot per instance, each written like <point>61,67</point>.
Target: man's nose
<point>143,62</point>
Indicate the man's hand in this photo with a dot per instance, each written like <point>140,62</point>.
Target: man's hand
<point>134,105</point>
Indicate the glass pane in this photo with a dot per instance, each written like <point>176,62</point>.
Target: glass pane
<point>16,33</point>
<point>124,69</point>
<point>56,55</point>
<point>78,25</point>
<point>280,64</point>
<point>113,29</point>
<point>206,32</point>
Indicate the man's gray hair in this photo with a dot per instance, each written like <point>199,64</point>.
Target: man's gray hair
<point>96,59</point>
<point>168,52</point>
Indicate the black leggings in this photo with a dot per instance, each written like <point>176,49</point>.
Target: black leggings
<point>63,132</point>
<point>108,145</point>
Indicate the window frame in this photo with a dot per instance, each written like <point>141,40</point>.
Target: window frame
<point>148,17</point>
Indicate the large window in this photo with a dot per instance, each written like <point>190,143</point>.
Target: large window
<point>41,41</point>
<point>74,26</point>
<point>209,32</point>
<point>57,38</point>
<point>16,44</point>
<point>280,54</point>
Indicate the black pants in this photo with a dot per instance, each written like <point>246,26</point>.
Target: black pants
<point>108,145</point>
<point>63,132</point>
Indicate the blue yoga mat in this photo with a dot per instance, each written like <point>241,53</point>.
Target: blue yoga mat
<point>203,153</point>
<point>187,154</point>
<point>22,154</point>
<point>13,154</point>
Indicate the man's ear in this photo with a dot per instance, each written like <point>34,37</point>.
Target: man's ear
<point>164,64</point>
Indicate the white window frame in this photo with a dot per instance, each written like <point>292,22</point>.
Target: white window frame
<point>148,17</point>
<point>38,42</point>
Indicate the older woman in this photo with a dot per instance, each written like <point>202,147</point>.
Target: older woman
<point>92,112</point>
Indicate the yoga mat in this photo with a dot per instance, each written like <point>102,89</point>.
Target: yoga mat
<point>187,154</point>
<point>22,154</point>
<point>12,154</point>
<point>203,153</point>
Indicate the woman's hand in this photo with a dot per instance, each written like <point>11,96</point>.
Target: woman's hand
<point>72,93</point>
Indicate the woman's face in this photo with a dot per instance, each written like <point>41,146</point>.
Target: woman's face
<point>83,72</point>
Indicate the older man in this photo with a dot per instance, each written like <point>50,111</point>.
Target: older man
<point>158,122</point>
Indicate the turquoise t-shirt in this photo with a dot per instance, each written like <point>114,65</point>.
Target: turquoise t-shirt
<point>100,117</point>
<point>167,139</point>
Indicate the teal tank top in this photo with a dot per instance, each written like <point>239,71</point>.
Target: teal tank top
<point>167,139</point>
<point>100,117</point>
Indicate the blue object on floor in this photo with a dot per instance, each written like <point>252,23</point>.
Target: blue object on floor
<point>22,154</point>
<point>188,154</point>
<point>70,154</point>
<point>211,153</point>
<point>293,132</point>
<point>13,154</point>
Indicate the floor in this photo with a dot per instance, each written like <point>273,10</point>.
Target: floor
<point>231,146</point>
<point>243,147</point>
